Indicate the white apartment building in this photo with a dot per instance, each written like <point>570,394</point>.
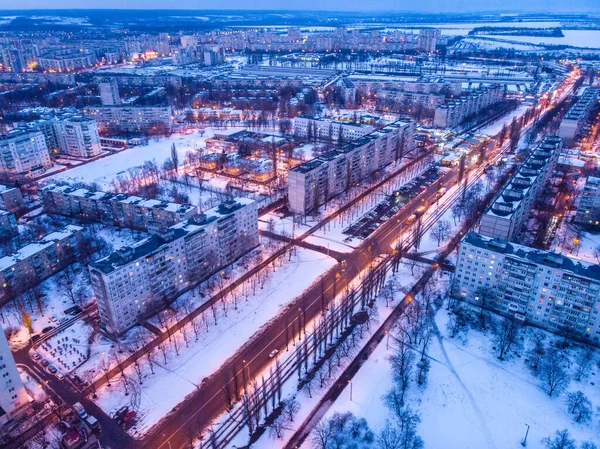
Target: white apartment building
<point>543,288</point>
<point>428,38</point>
<point>588,209</point>
<point>109,92</point>
<point>454,112</point>
<point>11,198</point>
<point>78,136</point>
<point>134,119</point>
<point>316,181</point>
<point>8,225</point>
<point>117,209</point>
<point>505,218</point>
<point>137,281</point>
<point>323,128</point>
<point>24,154</point>
<point>66,61</point>
<point>13,396</point>
<point>573,121</point>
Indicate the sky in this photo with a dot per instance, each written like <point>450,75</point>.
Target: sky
<point>326,5</point>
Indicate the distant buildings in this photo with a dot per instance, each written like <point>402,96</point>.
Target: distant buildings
<point>11,199</point>
<point>23,154</point>
<point>588,209</point>
<point>132,119</point>
<point>315,182</point>
<point>67,60</point>
<point>428,39</point>
<point>454,112</point>
<point>544,288</point>
<point>109,92</point>
<point>505,218</point>
<point>573,121</point>
<point>39,260</point>
<point>137,281</point>
<point>13,396</point>
<point>117,209</point>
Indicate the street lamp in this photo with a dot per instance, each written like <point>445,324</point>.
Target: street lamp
<point>524,442</point>
<point>168,441</point>
<point>350,383</point>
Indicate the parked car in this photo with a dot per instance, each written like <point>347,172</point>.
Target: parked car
<point>59,375</point>
<point>45,363</point>
<point>273,353</point>
<point>51,369</point>
<point>129,416</point>
<point>35,356</point>
<point>78,408</point>
<point>47,329</point>
<point>93,423</point>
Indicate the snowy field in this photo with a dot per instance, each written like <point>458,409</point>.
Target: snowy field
<point>472,400</point>
<point>173,381</point>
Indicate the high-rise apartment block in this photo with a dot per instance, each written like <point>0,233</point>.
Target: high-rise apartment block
<point>324,129</point>
<point>11,199</point>
<point>315,182</point>
<point>39,260</point>
<point>117,209</point>
<point>13,396</point>
<point>505,218</point>
<point>132,119</point>
<point>573,121</point>
<point>588,209</point>
<point>454,112</point>
<point>544,288</point>
<point>428,39</point>
<point>137,281</point>
<point>23,154</point>
<point>109,92</point>
<point>8,225</point>
<point>72,135</point>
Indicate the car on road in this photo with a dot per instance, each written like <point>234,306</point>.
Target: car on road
<point>34,338</point>
<point>45,363</point>
<point>47,329</point>
<point>51,369</point>
<point>78,408</point>
<point>73,310</point>
<point>273,353</point>
<point>59,375</point>
<point>35,356</point>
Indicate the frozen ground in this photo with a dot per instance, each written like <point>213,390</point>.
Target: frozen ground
<point>496,126</point>
<point>180,376</point>
<point>472,400</point>
<point>68,349</point>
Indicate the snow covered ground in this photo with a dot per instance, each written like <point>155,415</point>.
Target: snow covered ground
<point>68,349</point>
<point>173,381</point>
<point>472,400</point>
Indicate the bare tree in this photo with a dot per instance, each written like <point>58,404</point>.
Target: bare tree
<point>579,406</point>
<point>562,440</point>
<point>506,336</point>
<point>553,375</point>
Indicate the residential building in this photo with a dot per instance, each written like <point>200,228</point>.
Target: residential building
<point>23,154</point>
<point>66,60</point>
<point>138,281</point>
<point>428,38</point>
<point>588,209</point>
<point>454,112</point>
<point>325,129</point>
<point>572,123</point>
<point>348,91</point>
<point>505,218</point>
<point>117,209</point>
<point>109,92</point>
<point>11,199</point>
<point>8,225</point>
<point>316,181</point>
<point>13,396</point>
<point>132,119</point>
<point>78,136</point>
<point>39,260</point>
<point>543,288</point>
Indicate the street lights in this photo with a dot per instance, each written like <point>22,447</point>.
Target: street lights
<point>168,441</point>
<point>524,442</point>
<point>350,383</point>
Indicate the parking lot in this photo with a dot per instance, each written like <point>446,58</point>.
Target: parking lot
<point>369,222</point>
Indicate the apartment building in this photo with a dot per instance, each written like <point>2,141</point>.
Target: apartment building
<point>325,129</point>
<point>132,119</point>
<point>543,288</point>
<point>24,154</point>
<point>316,181</point>
<point>137,281</point>
<point>406,99</point>
<point>109,92</point>
<point>11,199</point>
<point>572,123</point>
<point>8,225</point>
<point>39,260</point>
<point>66,60</point>
<point>454,112</point>
<point>428,39</point>
<point>588,209</point>
<point>505,218</point>
<point>13,396</point>
<point>117,209</point>
<point>75,136</point>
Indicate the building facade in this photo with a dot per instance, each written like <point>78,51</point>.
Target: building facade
<point>117,209</point>
<point>588,208</point>
<point>132,119</point>
<point>24,154</point>
<point>543,288</point>
<point>37,261</point>
<point>326,129</point>
<point>317,181</point>
<point>454,112</point>
<point>109,92</point>
<point>505,218</point>
<point>13,396</point>
<point>136,282</point>
<point>77,136</point>
<point>8,225</point>
<point>11,199</point>
<point>572,123</point>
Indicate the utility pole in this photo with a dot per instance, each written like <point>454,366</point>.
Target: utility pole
<point>524,442</point>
